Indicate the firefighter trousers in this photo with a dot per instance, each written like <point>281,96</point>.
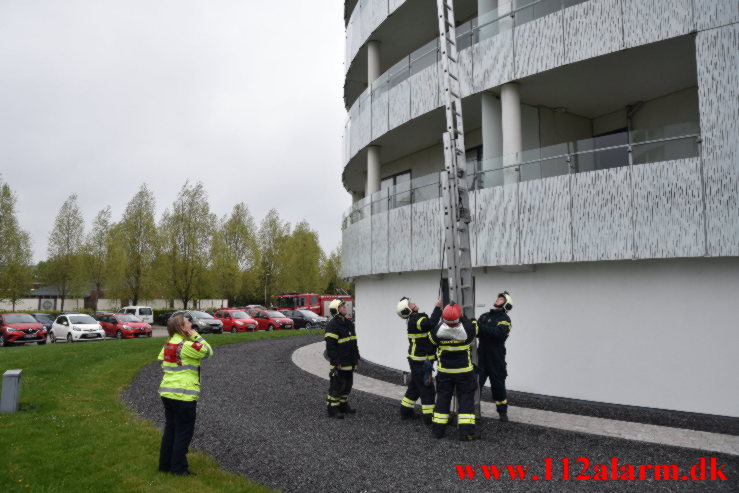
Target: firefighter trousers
<point>338,389</point>
<point>417,388</point>
<point>465,386</point>
<point>497,385</point>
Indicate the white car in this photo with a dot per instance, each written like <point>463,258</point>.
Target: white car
<point>76,327</point>
<point>145,313</point>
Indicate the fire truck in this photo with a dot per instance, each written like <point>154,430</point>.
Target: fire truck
<point>317,303</point>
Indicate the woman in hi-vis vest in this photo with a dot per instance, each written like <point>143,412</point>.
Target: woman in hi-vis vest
<point>180,389</point>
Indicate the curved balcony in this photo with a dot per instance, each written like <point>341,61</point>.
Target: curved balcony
<point>499,47</point>
<point>631,195</point>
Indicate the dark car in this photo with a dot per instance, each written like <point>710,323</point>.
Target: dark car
<point>306,319</point>
<point>44,319</point>
<point>20,328</point>
<point>163,318</point>
<point>202,322</point>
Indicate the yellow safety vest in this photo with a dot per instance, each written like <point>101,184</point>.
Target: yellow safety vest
<point>181,366</point>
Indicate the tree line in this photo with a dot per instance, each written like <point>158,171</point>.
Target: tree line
<point>189,254</point>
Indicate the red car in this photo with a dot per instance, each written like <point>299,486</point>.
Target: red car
<point>124,326</point>
<point>235,320</point>
<point>20,328</point>
<point>271,319</point>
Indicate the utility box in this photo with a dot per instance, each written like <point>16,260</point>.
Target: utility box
<point>11,393</point>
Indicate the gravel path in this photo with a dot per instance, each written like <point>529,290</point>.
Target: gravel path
<point>261,416</point>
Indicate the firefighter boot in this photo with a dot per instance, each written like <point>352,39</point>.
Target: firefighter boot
<point>345,408</point>
<point>407,413</point>
<point>428,419</point>
<point>333,412</point>
<point>503,417</point>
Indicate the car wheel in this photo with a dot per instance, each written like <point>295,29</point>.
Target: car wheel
<point>69,338</point>
<point>233,330</point>
<point>41,343</point>
<point>271,328</point>
<point>118,334</point>
<point>2,340</point>
<point>308,326</point>
<point>52,338</point>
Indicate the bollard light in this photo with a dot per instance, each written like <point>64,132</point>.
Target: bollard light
<point>11,392</point>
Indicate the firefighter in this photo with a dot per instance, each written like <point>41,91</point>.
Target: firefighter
<point>455,372</point>
<point>180,389</point>
<point>343,356</point>
<point>495,326</point>
<point>421,355</point>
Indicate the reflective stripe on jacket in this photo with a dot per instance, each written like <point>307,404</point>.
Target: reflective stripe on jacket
<point>455,356</point>
<point>419,326</point>
<point>181,367</point>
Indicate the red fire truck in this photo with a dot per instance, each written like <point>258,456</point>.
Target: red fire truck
<point>317,303</point>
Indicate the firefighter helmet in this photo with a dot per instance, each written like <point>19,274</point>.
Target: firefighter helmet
<point>451,314</point>
<point>508,305</point>
<point>334,306</point>
<point>403,309</point>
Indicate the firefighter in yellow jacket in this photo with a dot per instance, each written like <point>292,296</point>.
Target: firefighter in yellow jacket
<point>180,389</point>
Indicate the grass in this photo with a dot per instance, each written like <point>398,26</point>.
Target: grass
<point>73,434</point>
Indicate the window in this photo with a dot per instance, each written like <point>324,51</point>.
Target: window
<point>132,311</point>
<point>314,300</point>
<point>302,301</point>
<point>400,189</point>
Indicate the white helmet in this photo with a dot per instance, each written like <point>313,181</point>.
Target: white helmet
<point>333,307</point>
<point>508,305</point>
<point>403,309</point>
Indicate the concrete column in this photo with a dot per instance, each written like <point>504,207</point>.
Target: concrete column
<point>492,135</point>
<point>373,152</point>
<point>510,103</point>
<point>373,61</point>
<point>373,170</point>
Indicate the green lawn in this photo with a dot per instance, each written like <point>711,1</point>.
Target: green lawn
<point>74,434</point>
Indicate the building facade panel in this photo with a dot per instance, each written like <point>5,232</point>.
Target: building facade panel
<point>715,13</point>
<point>355,40</point>
<point>592,29</point>
<point>492,61</point>
<point>380,117</point>
<point>375,12</point>
<point>363,123</point>
<point>668,210</point>
<point>655,20</point>
<point>718,95</point>
<point>466,77</point>
<point>602,223</point>
<point>380,243</point>
<point>400,234</point>
<point>427,227</point>
<point>363,246</point>
<point>539,45</point>
<point>354,140</point>
<point>545,220</point>
<point>424,90</point>
<point>394,4</point>
<point>496,226</point>
<point>399,104</point>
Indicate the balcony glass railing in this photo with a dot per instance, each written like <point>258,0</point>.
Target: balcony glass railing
<point>678,141</point>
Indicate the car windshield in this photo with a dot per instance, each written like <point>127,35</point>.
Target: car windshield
<point>82,319</point>
<point>128,318</point>
<point>308,314</point>
<point>43,318</point>
<point>239,315</point>
<point>275,314</point>
<point>201,315</point>
<point>144,311</point>
<point>20,319</point>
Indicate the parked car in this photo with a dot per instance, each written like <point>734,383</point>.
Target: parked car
<point>306,319</point>
<point>20,328</point>
<point>44,319</point>
<point>76,327</point>
<point>235,320</point>
<point>201,321</point>
<point>254,307</point>
<point>100,313</point>
<point>163,317</point>
<point>145,313</point>
<point>124,326</point>
<point>271,319</point>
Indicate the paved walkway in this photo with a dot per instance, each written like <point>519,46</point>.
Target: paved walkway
<point>310,358</point>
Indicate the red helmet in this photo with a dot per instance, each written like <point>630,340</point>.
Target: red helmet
<point>451,314</point>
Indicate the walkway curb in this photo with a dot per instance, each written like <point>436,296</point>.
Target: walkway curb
<point>310,358</point>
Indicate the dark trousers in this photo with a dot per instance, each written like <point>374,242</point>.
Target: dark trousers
<point>465,385</point>
<point>418,388</point>
<point>497,385</point>
<point>339,387</point>
<point>179,427</point>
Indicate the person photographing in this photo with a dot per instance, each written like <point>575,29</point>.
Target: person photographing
<point>180,390</point>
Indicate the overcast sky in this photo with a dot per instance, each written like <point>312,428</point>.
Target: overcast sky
<point>99,96</point>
